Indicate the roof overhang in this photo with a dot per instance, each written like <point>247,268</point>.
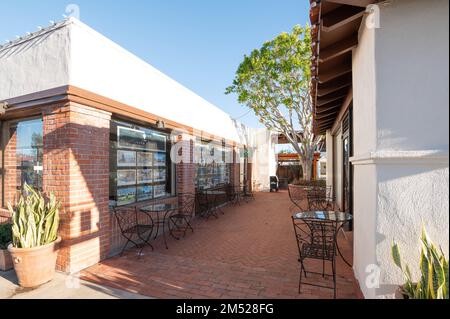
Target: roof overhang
<point>334,31</point>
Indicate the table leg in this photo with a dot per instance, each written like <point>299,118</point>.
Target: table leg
<point>157,227</point>
<point>163,228</point>
<point>337,245</point>
<point>218,207</point>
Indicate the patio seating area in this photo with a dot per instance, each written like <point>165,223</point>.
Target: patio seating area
<point>249,252</point>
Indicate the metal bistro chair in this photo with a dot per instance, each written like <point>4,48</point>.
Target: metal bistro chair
<point>205,204</point>
<point>181,220</point>
<point>316,240</point>
<point>247,194</point>
<point>234,194</point>
<point>296,195</point>
<point>132,228</point>
<point>320,198</point>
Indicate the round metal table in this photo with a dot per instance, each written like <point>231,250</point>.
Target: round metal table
<point>162,211</point>
<point>335,218</point>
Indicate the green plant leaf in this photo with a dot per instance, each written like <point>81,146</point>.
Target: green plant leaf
<point>396,255</point>
<point>35,219</point>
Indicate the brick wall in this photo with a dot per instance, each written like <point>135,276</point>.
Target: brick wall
<point>185,170</point>
<point>76,169</point>
<point>5,216</point>
<point>235,169</point>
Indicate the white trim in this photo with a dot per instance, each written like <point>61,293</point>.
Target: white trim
<point>402,157</point>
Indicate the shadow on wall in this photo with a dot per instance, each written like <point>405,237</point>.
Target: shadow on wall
<point>242,132</point>
<point>22,45</point>
<point>409,196</point>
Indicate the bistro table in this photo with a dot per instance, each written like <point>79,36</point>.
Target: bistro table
<point>162,212</point>
<point>334,219</point>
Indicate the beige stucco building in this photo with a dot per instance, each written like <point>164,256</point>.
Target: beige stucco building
<point>381,99</point>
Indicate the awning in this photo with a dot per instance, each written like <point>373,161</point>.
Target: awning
<point>334,31</point>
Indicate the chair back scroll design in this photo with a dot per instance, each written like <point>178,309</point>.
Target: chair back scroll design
<point>297,197</point>
<point>316,240</point>
<point>181,220</point>
<point>133,228</point>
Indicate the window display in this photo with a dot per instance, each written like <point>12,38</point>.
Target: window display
<point>126,195</point>
<point>144,192</point>
<point>144,159</point>
<point>212,168</point>
<point>145,176</point>
<point>126,158</point>
<point>138,164</point>
<point>126,177</point>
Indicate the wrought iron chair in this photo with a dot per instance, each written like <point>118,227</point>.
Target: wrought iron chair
<point>205,204</point>
<point>181,221</point>
<point>133,228</point>
<point>297,196</point>
<point>316,240</point>
<point>235,194</point>
<point>320,198</point>
<point>247,194</point>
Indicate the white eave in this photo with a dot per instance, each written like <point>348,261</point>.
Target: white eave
<point>72,53</point>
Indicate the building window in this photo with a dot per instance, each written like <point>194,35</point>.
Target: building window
<point>140,166</point>
<point>213,164</point>
<point>323,168</point>
<point>29,152</point>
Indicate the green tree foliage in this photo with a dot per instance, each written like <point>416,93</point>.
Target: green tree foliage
<point>274,81</point>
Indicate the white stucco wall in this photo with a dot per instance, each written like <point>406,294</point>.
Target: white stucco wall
<point>364,223</point>
<point>101,66</point>
<point>264,161</point>
<point>412,86</point>
<point>330,162</point>
<point>77,55</point>
<point>338,168</point>
<point>401,128</point>
<point>35,65</point>
<point>364,93</point>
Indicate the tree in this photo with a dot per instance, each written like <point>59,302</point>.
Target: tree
<point>274,81</point>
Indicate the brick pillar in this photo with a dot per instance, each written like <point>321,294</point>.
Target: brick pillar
<point>76,169</point>
<point>185,168</point>
<point>235,169</point>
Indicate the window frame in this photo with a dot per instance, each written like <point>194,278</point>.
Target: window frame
<point>5,130</point>
<point>114,168</point>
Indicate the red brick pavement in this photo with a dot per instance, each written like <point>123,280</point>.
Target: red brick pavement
<point>250,252</point>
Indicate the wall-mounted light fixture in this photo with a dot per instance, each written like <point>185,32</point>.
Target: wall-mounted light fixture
<point>3,107</point>
<point>160,124</point>
<point>315,3</point>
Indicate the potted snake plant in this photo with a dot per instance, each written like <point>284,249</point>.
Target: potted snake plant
<point>35,221</point>
<point>433,282</point>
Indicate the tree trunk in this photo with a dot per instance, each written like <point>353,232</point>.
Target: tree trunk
<point>307,169</point>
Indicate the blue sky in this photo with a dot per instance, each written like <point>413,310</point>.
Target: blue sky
<point>199,43</point>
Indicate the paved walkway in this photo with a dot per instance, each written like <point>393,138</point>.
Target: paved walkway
<point>61,287</point>
<point>250,252</point>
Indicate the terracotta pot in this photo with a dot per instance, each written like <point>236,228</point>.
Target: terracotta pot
<point>35,266</point>
<point>5,260</point>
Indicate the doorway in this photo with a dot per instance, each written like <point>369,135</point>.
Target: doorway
<point>347,169</point>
